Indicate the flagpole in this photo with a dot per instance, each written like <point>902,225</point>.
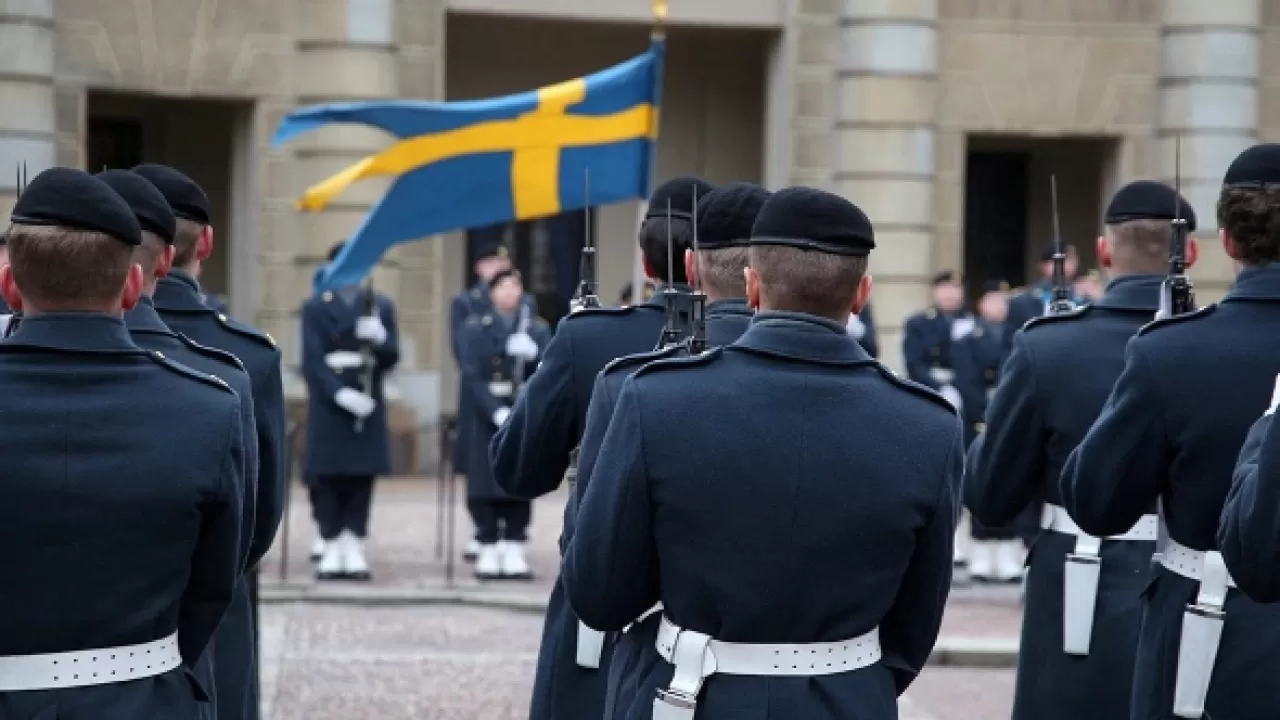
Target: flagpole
<point>658,34</point>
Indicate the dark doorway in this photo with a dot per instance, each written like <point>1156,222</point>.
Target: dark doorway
<point>995,217</point>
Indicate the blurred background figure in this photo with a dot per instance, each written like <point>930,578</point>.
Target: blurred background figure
<point>625,296</point>
<point>1088,287</point>
<point>863,329</point>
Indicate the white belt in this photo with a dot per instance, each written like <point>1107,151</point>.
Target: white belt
<point>82,668</point>
<point>942,376</point>
<point>1055,517</point>
<point>340,360</point>
<point>1082,573</point>
<point>1202,623</point>
<point>590,644</point>
<point>1205,567</point>
<point>697,656</point>
<point>501,388</point>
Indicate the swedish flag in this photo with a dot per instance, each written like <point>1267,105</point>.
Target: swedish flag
<point>469,164</point>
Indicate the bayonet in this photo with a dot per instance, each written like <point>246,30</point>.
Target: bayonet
<point>697,298</point>
<point>670,297</point>
<point>586,296</point>
<point>1178,285</point>
<point>1061,302</point>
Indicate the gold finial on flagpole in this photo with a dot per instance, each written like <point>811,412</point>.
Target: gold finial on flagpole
<point>659,19</point>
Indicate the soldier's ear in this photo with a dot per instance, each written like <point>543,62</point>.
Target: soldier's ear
<point>132,288</point>
<point>204,246</point>
<point>690,269</point>
<point>1192,252</point>
<point>9,288</point>
<point>753,287</point>
<point>863,294</point>
<point>165,262</point>
<point>1104,251</point>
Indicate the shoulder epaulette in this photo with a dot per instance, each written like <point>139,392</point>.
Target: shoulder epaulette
<point>639,359</point>
<point>1044,319</point>
<point>240,328</point>
<point>601,311</point>
<point>1163,322</point>
<point>915,387</point>
<point>679,362</point>
<point>181,369</point>
<point>212,352</point>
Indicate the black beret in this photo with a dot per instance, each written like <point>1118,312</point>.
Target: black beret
<point>487,242</point>
<point>75,199</point>
<point>1148,200</point>
<point>185,196</point>
<point>726,214</point>
<point>146,202</point>
<point>1047,254</point>
<point>946,276</point>
<point>1255,167</point>
<point>813,220</point>
<point>995,286</point>
<point>680,193</point>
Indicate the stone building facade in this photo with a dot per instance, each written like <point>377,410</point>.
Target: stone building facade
<point>885,101</point>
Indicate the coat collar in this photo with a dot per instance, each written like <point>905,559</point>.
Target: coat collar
<point>1132,292</point>
<point>179,292</point>
<point>144,318</point>
<point>73,331</point>
<point>729,306</point>
<point>802,337</point>
<point>1259,282</point>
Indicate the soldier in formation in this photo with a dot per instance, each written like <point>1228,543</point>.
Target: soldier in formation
<point>161,493</point>
<point>531,451</point>
<point>350,341</point>
<point>498,350</point>
<point>1033,302</point>
<point>1084,592</point>
<point>1167,441</point>
<point>681,513</point>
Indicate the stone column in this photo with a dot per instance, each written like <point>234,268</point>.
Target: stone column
<point>1209,93</point>
<point>887,83</point>
<point>27,121</point>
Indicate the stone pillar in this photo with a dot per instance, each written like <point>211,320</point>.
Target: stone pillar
<point>887,88</point>
<point>1209,93</point>
<point>27,121</point>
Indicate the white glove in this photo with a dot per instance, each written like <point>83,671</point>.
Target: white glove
<point>355,402</point>
<point>1275,398</point>
<point>370,328</point>
<point>856,327</point>
<point>951,394</point>
<point>522,346</point>
<point>500,415</point>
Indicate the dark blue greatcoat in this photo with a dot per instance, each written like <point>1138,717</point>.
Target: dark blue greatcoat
<point>1249,532</point>
<point>485,364</point>
<point>530,453</point>
<point>1172,428</point>
<point>926,345</point>
<point>976,358</point>
<point>789,529</point>
<point>562,689</point>
<point>228,663</point>
<point>474,301</point>
<point>122,471</point>
<point>1055,383</point>
<point>333,445</point>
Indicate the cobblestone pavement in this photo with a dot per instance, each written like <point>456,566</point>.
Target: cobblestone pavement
<point>441,662</point>
<point>348,662</point>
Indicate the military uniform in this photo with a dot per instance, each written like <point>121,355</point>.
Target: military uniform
<point>491,378</point>
<point>348,443</point>
<point>177,300</point>
<point>215,302</point>
<point>228,663</point>
<point>134,501</point>
<point>682,513</point>
<point>926,347</point>
<point>1163,437</point>
<point>1247,533</point>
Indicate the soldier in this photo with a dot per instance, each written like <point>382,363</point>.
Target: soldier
<point>1170,433</point>
<point>491,257</point>
<point>1079,634</point>
<point>868,576</point>
<point>177,299</point>
<point>1031,302</point>
<point>124,477</point>
<point>995,554</point>
<point>1247,532</point>
<point>229,667</point>
<point>349,342</point>
<point>530,452</point>
<point>862,327</point>
<point>498,350</point>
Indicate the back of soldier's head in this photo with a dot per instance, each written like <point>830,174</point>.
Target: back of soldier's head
<point>1139,229</point>
<point>71,246</point>
<point>153,214</point>
<point>189,204</point>
<point>725,219</point>
<point>667,229</point>
<point>809,254</point>
<point>1249,206</point>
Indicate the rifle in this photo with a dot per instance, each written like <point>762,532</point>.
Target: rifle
<point>368,361</point>
<point>697,298</point>
<point>586,295</point>
<point>1177,291</point>
<point>1061,302</point>
<point>671,333</point>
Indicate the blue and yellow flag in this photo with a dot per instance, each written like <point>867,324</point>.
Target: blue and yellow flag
<point>470,164</point>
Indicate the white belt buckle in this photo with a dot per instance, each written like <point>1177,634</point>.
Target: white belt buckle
<point>1080,594</point>
<point>501,388</point>
<point>679,700</point>
<point>590,647</point>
